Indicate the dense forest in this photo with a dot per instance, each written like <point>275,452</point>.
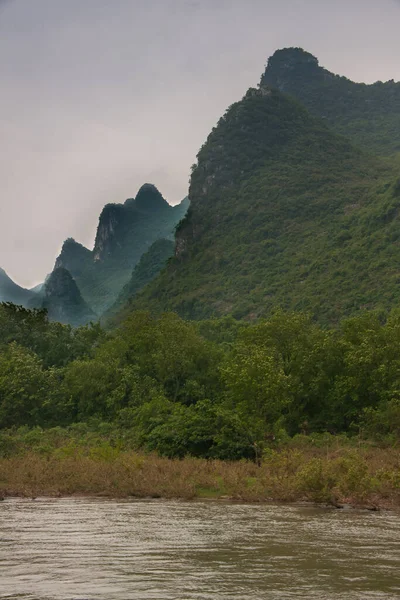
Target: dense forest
<point>219,388</point>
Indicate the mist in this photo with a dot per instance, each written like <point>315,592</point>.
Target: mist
<point>99,97</point>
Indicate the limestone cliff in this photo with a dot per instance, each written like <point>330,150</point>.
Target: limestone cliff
<point>125,232</point>
<point>63,300</point>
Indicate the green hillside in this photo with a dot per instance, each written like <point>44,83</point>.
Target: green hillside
<point>368,114</point>
<point>284,212</point>
<point>124,233</point>
<point>149,266</point>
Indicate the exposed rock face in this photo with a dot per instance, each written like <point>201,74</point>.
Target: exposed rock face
<point>111,220</point>
<point>63,300</point>
<point>73,257</point>
<point>125,232</point>
<point>11,292</point>
<point>116,220</point>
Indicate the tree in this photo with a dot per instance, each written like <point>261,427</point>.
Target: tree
<point>24,387</point>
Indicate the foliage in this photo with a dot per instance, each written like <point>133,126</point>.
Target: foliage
<point>218,389</point>
<point>367,114</point>
<point>284,213</point>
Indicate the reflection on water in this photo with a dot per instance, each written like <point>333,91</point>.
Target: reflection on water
<point>81,549</point>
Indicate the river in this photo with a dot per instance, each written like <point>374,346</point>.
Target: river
<point>83,549</point>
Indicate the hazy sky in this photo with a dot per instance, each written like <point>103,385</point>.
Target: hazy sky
<point>100,96</point>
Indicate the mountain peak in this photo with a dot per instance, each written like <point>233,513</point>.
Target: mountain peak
<point>369,114</point>
<point>148,199</point>
<point>63,299</point>
<point>291,64</point>
<point>148,187</point>
<point>290,57</point>
<point>73,256</point>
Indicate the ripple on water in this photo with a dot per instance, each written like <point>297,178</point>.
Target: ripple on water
<point>83,549</point>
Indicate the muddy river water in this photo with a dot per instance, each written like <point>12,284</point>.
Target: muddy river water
<point>83,549</point>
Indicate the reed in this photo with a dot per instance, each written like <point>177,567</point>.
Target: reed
<point>368,477</point>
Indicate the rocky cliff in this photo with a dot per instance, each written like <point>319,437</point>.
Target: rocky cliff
<point>63,300</point>
<point>125,232</point>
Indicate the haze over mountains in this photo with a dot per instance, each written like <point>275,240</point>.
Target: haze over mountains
<point>85,283</point>
<point>124,233</point>
<point>294,203</point>
<point>11,292</point>
<point>63,301</point>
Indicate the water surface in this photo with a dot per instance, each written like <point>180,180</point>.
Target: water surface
<point>82,549</point>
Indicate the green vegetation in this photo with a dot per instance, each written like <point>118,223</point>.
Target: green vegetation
<point>367,114</point>
<point>285,384</point>
<point>219,389</point>
<point>284,213</point>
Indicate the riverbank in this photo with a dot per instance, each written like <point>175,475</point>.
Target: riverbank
<point>361,477</point>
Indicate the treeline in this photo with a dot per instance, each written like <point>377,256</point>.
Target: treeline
<point>216,389</point>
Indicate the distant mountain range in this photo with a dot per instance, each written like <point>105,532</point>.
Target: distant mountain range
<point>85,283</point>
<point>124,233</point>
<point>11,292</point>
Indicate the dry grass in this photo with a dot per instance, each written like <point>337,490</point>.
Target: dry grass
<point>362,477</point>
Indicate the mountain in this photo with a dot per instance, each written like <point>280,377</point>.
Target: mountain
<point>283,212</point>
<point>37,289</point>
<point>149,266</point>
<point>11,292</point>
<point>63,300</point>
<point>368,114</point>
<point>124,233</point>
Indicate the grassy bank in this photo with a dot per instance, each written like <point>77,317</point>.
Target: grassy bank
<point>335,474</point>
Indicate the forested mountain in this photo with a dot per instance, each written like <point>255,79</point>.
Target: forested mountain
<point>367,114</point>
<point>11,292</point>
<point>284,212</point>
<point>63,300</point>
<point>149,266</point>
<point>124,233</point>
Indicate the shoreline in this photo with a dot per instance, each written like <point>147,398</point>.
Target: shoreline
<point>346,506</point>
<point>361,478</point>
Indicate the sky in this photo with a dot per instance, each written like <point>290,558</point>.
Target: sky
<point>100,96</point>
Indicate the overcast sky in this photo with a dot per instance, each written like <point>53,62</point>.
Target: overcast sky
<point>100,96</point>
